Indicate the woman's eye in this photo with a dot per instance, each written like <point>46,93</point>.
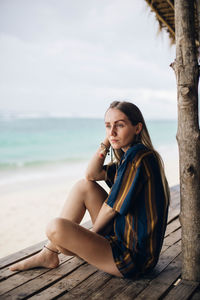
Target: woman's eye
<point>107,126</point>
<point>120,125</point>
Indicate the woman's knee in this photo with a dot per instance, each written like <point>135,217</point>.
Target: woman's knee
<point>84,186</point>
<point>54,228</point>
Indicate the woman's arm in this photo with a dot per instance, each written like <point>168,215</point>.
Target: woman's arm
<point>106,214</point>
<point>95,169</point>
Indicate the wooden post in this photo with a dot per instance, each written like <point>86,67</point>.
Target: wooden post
<point>188,136</point>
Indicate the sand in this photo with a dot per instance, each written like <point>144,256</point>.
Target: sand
<point>29,200</point>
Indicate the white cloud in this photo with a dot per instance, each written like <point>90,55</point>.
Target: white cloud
<point>68,55</point>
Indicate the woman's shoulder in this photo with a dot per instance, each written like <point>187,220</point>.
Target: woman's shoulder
<point>140,155</point>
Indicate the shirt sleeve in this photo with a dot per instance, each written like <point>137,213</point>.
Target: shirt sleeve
<point>111,170</point>
<point>129,181</point>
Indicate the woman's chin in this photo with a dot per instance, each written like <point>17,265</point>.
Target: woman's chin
<point>116,147</point>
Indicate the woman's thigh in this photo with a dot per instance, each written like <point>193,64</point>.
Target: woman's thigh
<point>90,246</point>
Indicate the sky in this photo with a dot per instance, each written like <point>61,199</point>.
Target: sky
<point>73,58</point>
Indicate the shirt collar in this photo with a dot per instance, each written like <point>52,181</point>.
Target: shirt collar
<point>131,152</point>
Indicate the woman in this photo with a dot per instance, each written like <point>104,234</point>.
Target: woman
<point>129,223</point>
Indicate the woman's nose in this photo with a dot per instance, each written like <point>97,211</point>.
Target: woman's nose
<point>113,131</point>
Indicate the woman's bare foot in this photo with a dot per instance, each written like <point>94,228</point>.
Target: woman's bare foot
<point>44,258</point>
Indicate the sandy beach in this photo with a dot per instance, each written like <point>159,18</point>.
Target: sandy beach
<point>29,200</point>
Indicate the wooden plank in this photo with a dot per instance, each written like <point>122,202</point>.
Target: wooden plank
<point>152,290</point>
<point>132,290</point>
<point>165,259</point>
<point>87,287</point>
<point>115,286</point>
<point>6,273</point>
<point>164,248</point>
<point>173,214</point>
<point>36,284</point>
<point>67,283</point>
<point>161,284</point>
<point>138,286</point>
<point>184,290</point>
<point>173,226</point>
<point>129,288</point>
<point>15,257</point>
<point>110,289</point>
<point>173,237</point>
<point>19,279</point>
<point>29,251</point>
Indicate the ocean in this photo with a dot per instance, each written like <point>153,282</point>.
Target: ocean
<point>34,142</point>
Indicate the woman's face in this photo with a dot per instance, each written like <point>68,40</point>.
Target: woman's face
<point>119,129</point>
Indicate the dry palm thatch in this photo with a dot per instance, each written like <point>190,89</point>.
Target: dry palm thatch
<point>164,10</point>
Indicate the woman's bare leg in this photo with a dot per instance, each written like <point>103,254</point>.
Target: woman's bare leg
<point>90,246</point>
<point>84,195</point>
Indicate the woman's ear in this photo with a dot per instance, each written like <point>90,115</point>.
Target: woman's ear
<point>139,127</point>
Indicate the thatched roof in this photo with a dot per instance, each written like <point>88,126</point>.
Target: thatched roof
<point>164,10</point>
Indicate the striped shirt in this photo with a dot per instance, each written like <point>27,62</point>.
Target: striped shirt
<point>137,195</point>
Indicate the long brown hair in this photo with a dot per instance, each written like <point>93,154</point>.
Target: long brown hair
<point>135,116</point>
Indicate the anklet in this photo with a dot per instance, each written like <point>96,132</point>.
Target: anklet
<point>57,252</point>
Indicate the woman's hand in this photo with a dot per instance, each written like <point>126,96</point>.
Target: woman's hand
<point>104,218</point>
<point>95,169</point>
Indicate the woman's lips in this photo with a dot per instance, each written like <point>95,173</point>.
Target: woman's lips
<point>114,141</point>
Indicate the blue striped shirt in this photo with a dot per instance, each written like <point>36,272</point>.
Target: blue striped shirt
<point>137,194</point>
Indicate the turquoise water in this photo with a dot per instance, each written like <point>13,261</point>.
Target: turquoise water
<point>26,142</point>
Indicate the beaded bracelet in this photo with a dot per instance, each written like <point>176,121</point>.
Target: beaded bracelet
<point>104,151</point>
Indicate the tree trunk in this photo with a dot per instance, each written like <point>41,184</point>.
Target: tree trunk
<point>188,137</point>
<point>198,18</point>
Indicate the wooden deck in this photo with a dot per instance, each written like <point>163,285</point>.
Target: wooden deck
<point>74,279</point>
